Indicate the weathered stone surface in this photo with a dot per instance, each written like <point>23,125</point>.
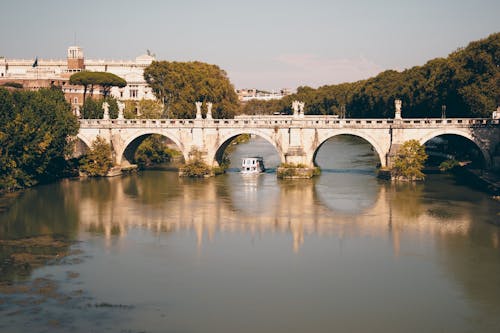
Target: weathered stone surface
<point>296,140</point>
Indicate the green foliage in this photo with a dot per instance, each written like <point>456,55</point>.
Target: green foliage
<point>92,108</point>
<point>12,85</point>
<point>409,162</point>
<point>89,79</point>
<point>98,160</point>
<point>466,82</point>
<point>195,167</point>
<point>255,107</point>
<point>152,151</point>
<point>180,84</point>
<point>34,127</point>
<point>449,165</point>
<point>296,170</point>
<point>143,109</point>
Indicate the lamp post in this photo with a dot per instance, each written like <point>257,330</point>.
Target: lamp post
<point>443,111</point>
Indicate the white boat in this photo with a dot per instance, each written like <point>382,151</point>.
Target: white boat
<point>252,165</point>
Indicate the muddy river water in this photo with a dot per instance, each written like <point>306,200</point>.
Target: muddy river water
<point>343,252</point>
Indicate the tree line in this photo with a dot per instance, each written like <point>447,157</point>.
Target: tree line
<point>466,82</point>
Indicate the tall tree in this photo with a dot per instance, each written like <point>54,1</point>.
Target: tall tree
<point>180,84</point>
<point>34,127</point>
<point>466,82</point>
<point>89,79</point>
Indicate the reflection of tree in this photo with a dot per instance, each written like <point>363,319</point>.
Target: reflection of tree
<point>38,226</point>
<point>472,259</point>
<point>407,199</point>
<point>29,216</point>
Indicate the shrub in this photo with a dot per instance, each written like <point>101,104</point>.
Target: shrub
<point>409,162</point>
<point>98,161</point>
<point>195,167</point>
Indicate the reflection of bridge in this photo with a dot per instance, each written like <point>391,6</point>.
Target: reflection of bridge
<point>209,208</point>
<point>296,138</point>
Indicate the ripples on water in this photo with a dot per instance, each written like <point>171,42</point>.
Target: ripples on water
<point>342,252</point>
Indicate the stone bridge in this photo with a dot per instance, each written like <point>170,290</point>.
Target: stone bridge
<point>296,138</point>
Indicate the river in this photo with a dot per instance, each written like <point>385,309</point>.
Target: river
<point>343,252</point>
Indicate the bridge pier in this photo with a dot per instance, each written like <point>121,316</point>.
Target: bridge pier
<point>296,139</point>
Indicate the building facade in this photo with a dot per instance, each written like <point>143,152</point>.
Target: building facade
<point>245,95</point>
<point>42,73</point>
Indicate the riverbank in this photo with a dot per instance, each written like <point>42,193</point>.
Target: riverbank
<point>484,180</point>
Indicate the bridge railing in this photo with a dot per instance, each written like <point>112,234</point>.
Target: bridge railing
<point>288,121</point>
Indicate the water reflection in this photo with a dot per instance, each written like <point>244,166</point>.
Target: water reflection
<point>161,202</point>
<point>343,243</point>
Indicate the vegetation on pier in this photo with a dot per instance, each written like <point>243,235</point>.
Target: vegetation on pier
<point>409,161</point>
<point>292,170</point>
<point>195,167</point>
<point>97,162</point>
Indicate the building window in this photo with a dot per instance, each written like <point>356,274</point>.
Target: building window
<point>121,94</point>
<point>133,93</point>
<point>75,101</point>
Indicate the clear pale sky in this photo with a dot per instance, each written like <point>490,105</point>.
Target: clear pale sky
<point>262,44</point>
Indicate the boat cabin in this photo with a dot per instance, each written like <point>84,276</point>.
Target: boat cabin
<point>250,165</point>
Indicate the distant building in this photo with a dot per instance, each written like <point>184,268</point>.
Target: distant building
<point>41,73</point>
<point>245,95</point>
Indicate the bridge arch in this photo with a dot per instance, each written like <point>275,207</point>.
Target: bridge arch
<point>85,140</point>
<point>216,154</point>
<point>463,134</point>
<point>81,145</point>
<point>132,142</point>
<point>381,153</point>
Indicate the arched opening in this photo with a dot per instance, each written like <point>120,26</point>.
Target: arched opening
<point>231,152</point>
<point>152,149</point>
<point>80,148</point>
<point>348,182</point>
<point>346,152</point>
<point>453,150</point>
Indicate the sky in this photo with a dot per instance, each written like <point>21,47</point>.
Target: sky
<point>260,44</point>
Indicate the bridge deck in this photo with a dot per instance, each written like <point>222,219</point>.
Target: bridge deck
<point>285,122</point>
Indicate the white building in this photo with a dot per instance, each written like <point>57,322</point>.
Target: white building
<point>245,95</point>
<point>37,73</point>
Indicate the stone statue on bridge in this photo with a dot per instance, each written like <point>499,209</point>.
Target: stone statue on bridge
<point>121,107</point>
<point>209,110</point>
<point>198,109</point>
<point>77,111</point>
<point>298,109</point>
<point>301,109</point>
<point>397,104</point>
<point>105,107</point>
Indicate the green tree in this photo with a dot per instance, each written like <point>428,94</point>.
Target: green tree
<point>92,108</point>
<point>149,109</point>
<point>409,162</point>
<point>195,167</point>
<point>180,84</point>
<point>152,151</point>
<point>98,160</point>
<point>466,82</point>
<point>89,79</point>
<point>34,127</point>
